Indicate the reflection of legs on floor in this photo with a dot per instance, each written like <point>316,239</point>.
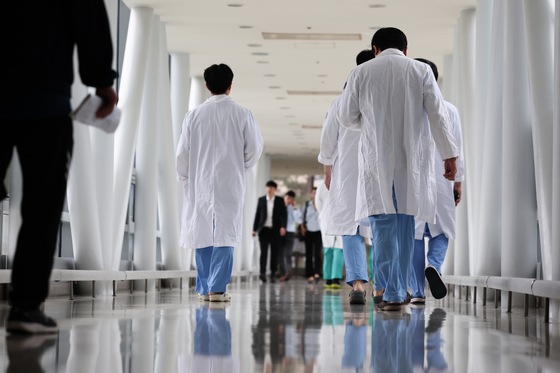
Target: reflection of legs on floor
<point>390,343</point>
<point>354,347</point>
<point>417,323</point>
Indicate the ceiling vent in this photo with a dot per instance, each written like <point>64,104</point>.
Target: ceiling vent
<point>295,36</point>
<point>311,127</point>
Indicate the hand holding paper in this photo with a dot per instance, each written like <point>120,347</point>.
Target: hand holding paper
<point>99,112</point>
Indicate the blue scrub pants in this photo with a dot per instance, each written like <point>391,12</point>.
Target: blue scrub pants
<point>393,244</point>
<point>354,250</point>
<point>437,248</point>
<point>213,269</point>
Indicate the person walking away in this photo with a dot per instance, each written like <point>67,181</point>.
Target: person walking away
<point>386,99</point>
<point>220,143</point>
<point>270,224</point>
<point>439,233</point>
<point>333,258</point>
<point>35,107</point>
<point>311,231</point>
<point>287,241</point>
<point>339,155</point>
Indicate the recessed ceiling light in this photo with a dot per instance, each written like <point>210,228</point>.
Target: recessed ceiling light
<point>274,87</point>
<point>291,36</point>
<point>290,116</point>
<point>254,45</point>
<point>322,76</point>
<point>377,6</point>
<point>280,98</point>
<point>284,108</point>
<point>292,124</point>
<point>311,127</point>
<point>235,5</point>
<point>259,54</point>
<point>269,75</point>
<point>245,26</point>
<point>262,61</point>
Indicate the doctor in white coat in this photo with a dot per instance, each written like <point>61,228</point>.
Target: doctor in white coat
<point>444,227</point>
<point>339,155</point>
<point>385,98</point>
<point>220,142</point>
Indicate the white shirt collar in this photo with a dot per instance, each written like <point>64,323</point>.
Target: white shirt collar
<point>268,198</point>
<point>390,51</point>
<point>218,98</point>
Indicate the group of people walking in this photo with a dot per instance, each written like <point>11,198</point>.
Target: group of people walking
<point>391,150</point>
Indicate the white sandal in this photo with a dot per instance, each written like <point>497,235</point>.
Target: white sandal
<point>224,297</point>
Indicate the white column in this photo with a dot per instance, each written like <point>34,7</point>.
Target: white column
<point>169,207</point>
<point>519,214</point>
<point>131,89</point>
<point>539,37</point>
<point>199,93</point>
<point>16,195</point>
<point>146,164</point>
<point>482,65</point>
<point>84,347</point>
<point>249,208</point>
<point>555,306</point>
<point>490,218</point>
<point>82,196</point>
<point>180,90</point>
<point>467,42</point>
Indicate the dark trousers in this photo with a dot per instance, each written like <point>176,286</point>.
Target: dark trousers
<point>44,147</point>
<point>269,236</point>
<point>285,255</point>
<point>313,251</point>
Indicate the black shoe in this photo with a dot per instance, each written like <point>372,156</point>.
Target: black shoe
<point>407,299</point>
<point>33,321</point>
<point>377,299</point>
<point>263,278</point>
<point>336,284</point>
<point>437,286</point>
<point>357,297</point>
<point>272,279</point>
<point>328,283</point>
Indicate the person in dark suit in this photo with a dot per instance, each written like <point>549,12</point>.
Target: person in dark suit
<point>270,224</point>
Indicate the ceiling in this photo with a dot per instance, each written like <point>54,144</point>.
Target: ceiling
<point>291,124</point>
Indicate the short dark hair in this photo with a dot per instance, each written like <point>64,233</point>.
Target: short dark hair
<point>271,183</point>
<point>389,37</point>
<point>314,188</point>
<point>432,65</point>
<point>364,56</point>
<point>291,194</point>
<point>218,78</point>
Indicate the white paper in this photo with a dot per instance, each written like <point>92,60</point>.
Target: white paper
<point>85,113</point>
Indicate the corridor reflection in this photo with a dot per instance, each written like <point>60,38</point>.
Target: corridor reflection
<point>289,327</point>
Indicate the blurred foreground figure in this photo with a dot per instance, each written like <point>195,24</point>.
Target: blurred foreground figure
<point>35,107</point>
<point>219,143</point>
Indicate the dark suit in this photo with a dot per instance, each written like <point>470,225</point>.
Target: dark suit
<point>270,236</point>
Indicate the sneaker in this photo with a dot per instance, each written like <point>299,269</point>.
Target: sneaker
<point>33,321</point>
<point>336,284</point>
<point>204,298</point>
<point>221,297</point>
<point>437,286</point>
<point>328,283</point>
<point>357,297</point>
<point>390,306</point>
<point>418,300</point>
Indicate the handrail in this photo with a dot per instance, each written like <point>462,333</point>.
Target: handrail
<point>527,286</point>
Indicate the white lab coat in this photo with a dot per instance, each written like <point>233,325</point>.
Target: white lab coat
<point>445,212</point>
<point>339,149</point>
<point>385,99</point>
<point>219,143</point>
<point>322,201</point>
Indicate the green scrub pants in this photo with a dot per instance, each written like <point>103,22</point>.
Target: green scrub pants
<point>333,263</point>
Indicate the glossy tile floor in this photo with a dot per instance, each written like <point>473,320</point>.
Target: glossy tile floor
<point>292,327</point>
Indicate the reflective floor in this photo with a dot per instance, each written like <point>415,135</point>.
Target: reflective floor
<point>292,327</point>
